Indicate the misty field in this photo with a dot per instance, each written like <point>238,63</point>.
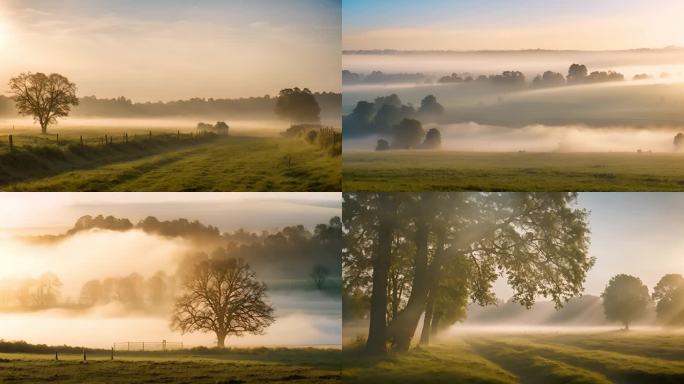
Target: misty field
<point>612,357</point>
<point>166,161</point>
<point>524,171</point>
<point>232,366</point>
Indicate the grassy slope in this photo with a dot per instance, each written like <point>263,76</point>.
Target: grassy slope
<point>301,366</point>
<point>231,164</point>
<point>530,359</point>
<point>413,171</point>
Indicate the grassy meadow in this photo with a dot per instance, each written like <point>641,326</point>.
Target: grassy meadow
<point>580,358</point>
<point>165,161</point>
<point>518,171</point>
<point>232,366</point>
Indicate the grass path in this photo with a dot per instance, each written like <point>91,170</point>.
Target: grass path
<point>233,164</point>
<point>529,359</point>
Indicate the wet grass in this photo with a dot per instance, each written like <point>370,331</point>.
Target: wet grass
<point>263,365</point>
<point>600,358</point>
<point>460,171</point>
<point>235,163</point>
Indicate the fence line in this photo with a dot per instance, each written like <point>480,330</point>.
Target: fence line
<point>151,346</point>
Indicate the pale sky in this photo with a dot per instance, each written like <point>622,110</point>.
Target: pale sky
<point>505,24</point>
<point>53,212</point>
<point>174,49</point>
<point>639,234</point>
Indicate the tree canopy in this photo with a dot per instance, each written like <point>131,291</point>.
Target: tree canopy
<point>45,97</point>
<point>669,297</point>
<point>404,251</point>
<point>625,299</point>
<point>298,105</point>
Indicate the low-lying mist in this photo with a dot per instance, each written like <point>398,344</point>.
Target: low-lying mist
<point>540,138</point>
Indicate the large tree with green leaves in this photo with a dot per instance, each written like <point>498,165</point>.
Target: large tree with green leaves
<point>45,97</point>
<point>447,245</point>
<point>625,299</point>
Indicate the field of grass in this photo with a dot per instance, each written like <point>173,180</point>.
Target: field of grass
<point>457,171</point>
<point>238,366</point>
<point>167,163</point>
<point>581,358</point>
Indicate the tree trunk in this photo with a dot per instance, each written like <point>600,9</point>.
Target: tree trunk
<point>43,128</point>
<point>404,325</point>
<point>427,323</point>
<point>220,340</point>
<point>377,335</point>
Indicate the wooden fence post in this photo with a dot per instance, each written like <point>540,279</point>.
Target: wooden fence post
<point>112,356</point>
<point>150,134</point>
<point>81,141</point>
<point>179,134</point>
<point>126,136</point>
<point>58,138</point>
<point>11,143</point>
<point>56,356</point>
<point>105,139</point>
<point>84,355</point>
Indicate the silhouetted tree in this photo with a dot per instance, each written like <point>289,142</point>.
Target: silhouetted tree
<point>407,134</point>
<point>44,97</point>
<point>625,299</point>
<point>430,108</point>
<point>382,145</point>
<point>577,73</point>
<point>669,297</point>
<point>298,105</point>
<point>319,274</point>
<point>548,79</point>
<point>47,290</point>
<point>221,295</point>
<point>433,139</point>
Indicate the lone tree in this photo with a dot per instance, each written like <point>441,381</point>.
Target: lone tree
<point>433,139</point>
<point>625,299</point>
<point>319,274</point>
<point>298,105</point>
<point>44,97</point>
<point>221,295</point>
<point>669,297</point>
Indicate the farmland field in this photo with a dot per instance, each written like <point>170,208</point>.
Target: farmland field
<point>168,161</point>
<point>238,366</point>
<point>610,357</point>
<point>456,171</point>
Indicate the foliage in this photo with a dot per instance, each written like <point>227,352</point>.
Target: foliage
<point>298,105</point>
<point>45,97</point>
<point>669,297</point>
<point>625,299</point>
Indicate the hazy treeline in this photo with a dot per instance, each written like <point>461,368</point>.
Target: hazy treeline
<point>308,258</point>
<point>121,107</point>
<point>379,77</point>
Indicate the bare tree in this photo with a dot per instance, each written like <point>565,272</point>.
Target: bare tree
<point>44,97</point>
<point>222,296</point>
<point>319,274</point>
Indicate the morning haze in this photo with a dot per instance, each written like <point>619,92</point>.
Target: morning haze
<point>172,50</point>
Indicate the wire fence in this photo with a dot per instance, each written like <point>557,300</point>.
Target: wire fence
<point>147,346</point>
<point>12,140</point>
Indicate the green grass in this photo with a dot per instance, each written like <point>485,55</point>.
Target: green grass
<point>235,163</point>
<point>460,171</point>
<point>258,366</point>
<point>631,357</point>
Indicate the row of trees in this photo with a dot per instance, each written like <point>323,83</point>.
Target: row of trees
<point>415,254</point>
<point>49,97</point>
<point>43,292</point>
<point>626,299</point>
<point>577,74</point>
